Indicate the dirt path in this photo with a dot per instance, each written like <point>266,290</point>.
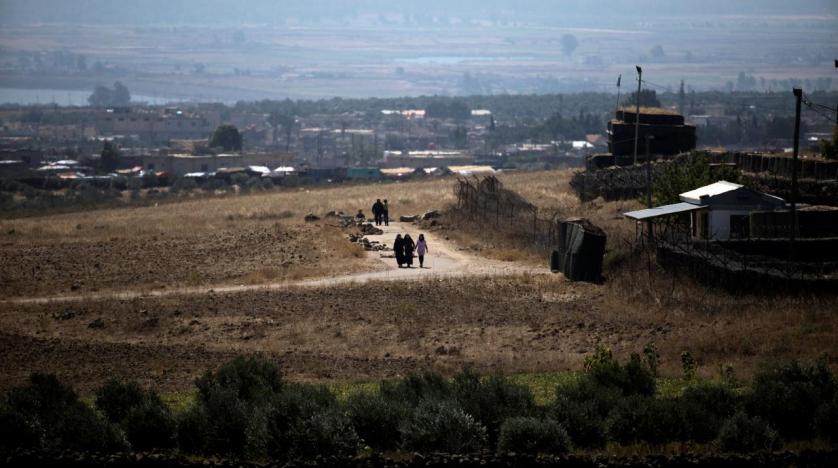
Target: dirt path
<point>443,260</point>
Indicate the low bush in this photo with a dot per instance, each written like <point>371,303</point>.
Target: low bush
<point>193,430</point>
<point>533,435</point>
<point>294,406</point>
<point>741,433</point>
<point>706,407</point>
<point>325,433</point>
<point>251,379</point>
<point>581,407</point>
<point>17,430</point>
<point>656,421</point>
<point>826,420</point>
<point>53,409</point>
<point>442,426</point>
<point>633,378</point>
<point>788,394</point>
<point>376,420</point>
<point>415,388</point>
<point>491,400</point>
<point>150,425</point>
<point>147,422</point>
<point>229,415</point>
<point>115,399</point>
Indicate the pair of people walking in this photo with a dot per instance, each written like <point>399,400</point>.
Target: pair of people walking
<point>381,212</point>
<point>404,248</point>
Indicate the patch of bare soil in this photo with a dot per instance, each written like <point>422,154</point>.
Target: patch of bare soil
<point>378,330</point>
<point>248,253</point>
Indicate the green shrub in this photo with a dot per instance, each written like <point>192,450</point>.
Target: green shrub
<point>788,394</point>
<point>290,408</point>
<point>150,425</point>
<point>826,420</point>
<point>741,433</point>
<point>707,406</point>
<point>492,400</point>
<point>251,379</point>
<point>533,435</point>
<point>193,430</point>
<point>415,388</point>
<point>229,423</point>
<point>147,422</point>
<point>326,433</point>
<point>376,419</point>
<point>442,426</point>
<point>17,430</point>
<point>581,407</point>
<point>229,415</point>
<point>632,379</point>
<point>67,423</point>
<point>656,421</point>
<point>115,399</point>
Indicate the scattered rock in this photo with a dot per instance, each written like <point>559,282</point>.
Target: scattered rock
<point>311,217</point>
<point>65,314</point>
<point>370,230</point>
<point>96,324</point>
<point>431,215</point>
<point>408,219</point>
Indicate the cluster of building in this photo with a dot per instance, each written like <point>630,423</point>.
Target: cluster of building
<point>174,141</point>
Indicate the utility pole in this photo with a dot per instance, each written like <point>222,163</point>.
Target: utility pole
<point>617,107</point>
<point>637,114</point>
<point>798,95</point>
<point>649,187</point>
<point>648,172</point>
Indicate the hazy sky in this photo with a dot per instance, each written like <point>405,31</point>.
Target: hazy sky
<point>266,11</point>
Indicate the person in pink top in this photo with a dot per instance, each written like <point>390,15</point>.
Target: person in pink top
<point>421,250</point>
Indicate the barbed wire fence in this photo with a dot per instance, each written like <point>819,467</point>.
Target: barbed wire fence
<point>483,200</point>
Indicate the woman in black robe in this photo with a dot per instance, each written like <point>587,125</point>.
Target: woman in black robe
<point>409,247</point>
<point>398,249</point>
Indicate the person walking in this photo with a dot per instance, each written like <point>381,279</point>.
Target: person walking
<point>385,213</point>
<point>377,209</point>
<point>409,247</point>
<point>421,250</point>
<point>398,249</point>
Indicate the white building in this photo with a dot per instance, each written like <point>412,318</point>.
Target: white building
<point>719,211</point>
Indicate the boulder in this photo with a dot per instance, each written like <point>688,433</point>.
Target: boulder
<point>311,217</point>
<point>408,219</point>
<point>431,215</point>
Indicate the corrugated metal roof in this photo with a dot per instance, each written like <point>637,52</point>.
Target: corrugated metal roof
<point>664,210</point>
<point>711,190</point>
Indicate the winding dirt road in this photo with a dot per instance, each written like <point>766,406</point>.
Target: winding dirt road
<point>444,260</point>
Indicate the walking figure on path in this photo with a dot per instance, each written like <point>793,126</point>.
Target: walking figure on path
<point>377,211</point>
<point>385,213</point>
<point>398,249</point>
<point>421,250</point>
<point>409,247</point>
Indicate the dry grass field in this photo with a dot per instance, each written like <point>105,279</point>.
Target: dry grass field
<point>510,324</point>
